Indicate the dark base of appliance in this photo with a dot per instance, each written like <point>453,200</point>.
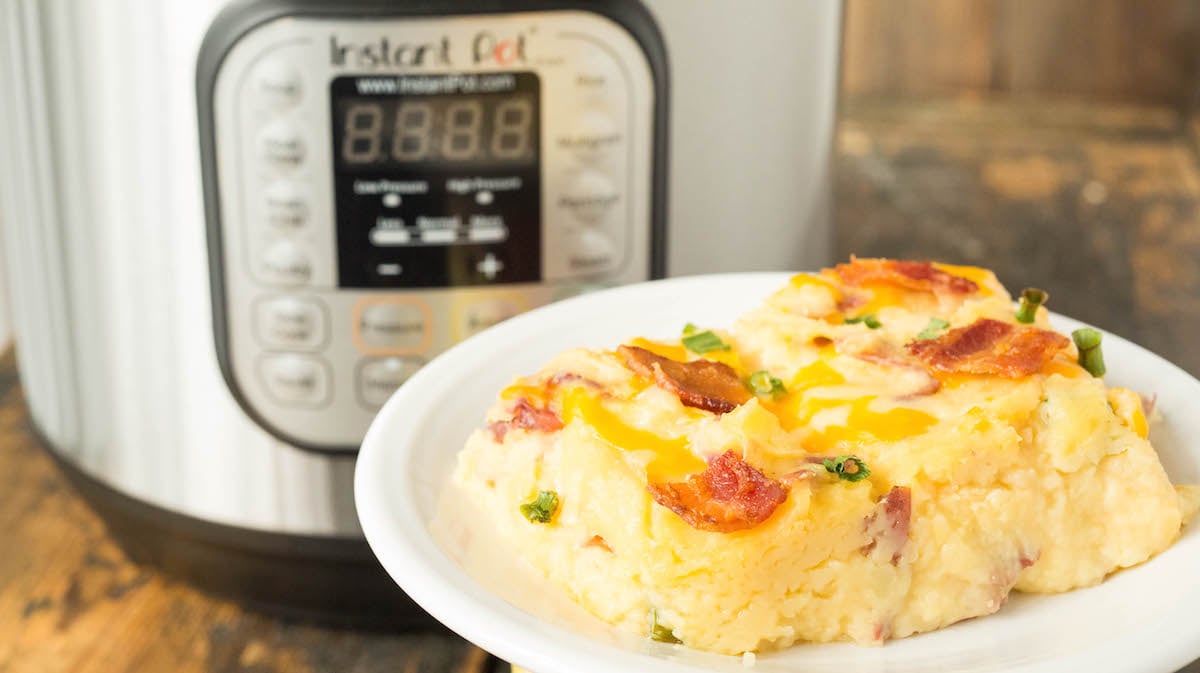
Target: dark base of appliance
<point>330,581</point>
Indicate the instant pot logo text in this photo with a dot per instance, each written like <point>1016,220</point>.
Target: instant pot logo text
<point>485,48</point>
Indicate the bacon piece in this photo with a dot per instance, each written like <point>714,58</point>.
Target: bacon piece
<point>989,346</point>
<point>887,527</point>
<point>567,378</point>
<point>704,384</point>
<point>730,495</point>
<point>1148,404</point>
<point>526,417</point>
<point>598,541</point>
<point>919,276</point>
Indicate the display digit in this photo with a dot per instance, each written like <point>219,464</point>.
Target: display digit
<point>414,126</point>
<point>463,123</point>
<point>511,128</point>
<point>364,121</point>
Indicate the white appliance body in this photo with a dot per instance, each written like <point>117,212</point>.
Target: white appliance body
<point>103,211</point>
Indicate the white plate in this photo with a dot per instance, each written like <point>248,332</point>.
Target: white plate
<point>1146,619</point>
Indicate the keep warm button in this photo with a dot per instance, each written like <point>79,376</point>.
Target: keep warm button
<point>392,326</point>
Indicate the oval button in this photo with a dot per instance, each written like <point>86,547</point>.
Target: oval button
<point>286,205</point>
<point>277,84</point>
<point>295,380</point>
<point>290,322</point>
<point>393,327</point>
<point>590,197</point>
<point>285,263</point>
<point>378,379</point>
<point>590,251</point>
<point>481,315</point>
<point>593,137</point>
<point>281,146</point>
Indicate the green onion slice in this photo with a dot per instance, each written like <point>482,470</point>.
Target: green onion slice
<point>762,383</point>
<point>849,468</point>
<point>1091,358</point>
<point>702,342</point>
<point>867,319</point>
<point>1031,299</point>
<point>933,328</point>
<point>660,633</point>
<point>542,508</point>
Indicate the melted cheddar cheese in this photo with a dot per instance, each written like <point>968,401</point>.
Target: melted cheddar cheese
<point>978,484</point>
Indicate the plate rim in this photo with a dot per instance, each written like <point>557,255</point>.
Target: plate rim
<point>519,641</point>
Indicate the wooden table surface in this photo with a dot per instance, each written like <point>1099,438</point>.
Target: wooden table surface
<point>1097,204</point>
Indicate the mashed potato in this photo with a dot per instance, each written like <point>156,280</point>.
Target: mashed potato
<point>878,450</point>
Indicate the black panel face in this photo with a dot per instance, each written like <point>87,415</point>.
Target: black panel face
<point>437,179</point>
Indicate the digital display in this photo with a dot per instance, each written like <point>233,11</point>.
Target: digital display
<point>437,179</point>
<point>445,128</point>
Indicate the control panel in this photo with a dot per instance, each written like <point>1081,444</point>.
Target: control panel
<point>381,188</point>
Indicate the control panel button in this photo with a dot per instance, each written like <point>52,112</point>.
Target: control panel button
<point>379,378</point>
<point>596,75</point>
<point>290,323</point>
<point>480,315</point>
<point>393,326</point>
<point>592,138</point>
<point>285,264</point>
<point>295,380</point>
<point>489,266</point>
<point>277,83</point>
<point>281,146</point>
<point>590,251</point>
<point>590,197</point>
<point>286,205</point>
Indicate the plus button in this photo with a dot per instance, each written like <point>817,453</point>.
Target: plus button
<point>489,266</point>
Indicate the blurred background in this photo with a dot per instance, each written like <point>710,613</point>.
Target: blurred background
<point>1052,140</point>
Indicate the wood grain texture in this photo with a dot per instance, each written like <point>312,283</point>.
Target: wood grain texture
<point>1107,50</point>
<point>71,602</point>
<point>1104,211</point>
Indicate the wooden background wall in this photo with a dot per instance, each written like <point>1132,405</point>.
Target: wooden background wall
<point>1107,50</point>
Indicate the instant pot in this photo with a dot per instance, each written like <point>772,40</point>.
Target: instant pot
<point>233,229</point>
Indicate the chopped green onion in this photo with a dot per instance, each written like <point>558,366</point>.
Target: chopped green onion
<point>1031,299</point>
<point>850,468</point>
<point>660,633</point>
<point>542,508</point>
<point>1091,358</point>
<point>932,328</point>
<point>867,319</point>
<point>702,342</point>
<point>762,383</point>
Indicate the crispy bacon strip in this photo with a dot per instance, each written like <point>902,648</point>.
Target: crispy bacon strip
<point>887,527</point>
<point>919,276</point>
<point>989,346</point>
<point>730,495</point>
<point>704,384</point>
<point>526,417</point>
